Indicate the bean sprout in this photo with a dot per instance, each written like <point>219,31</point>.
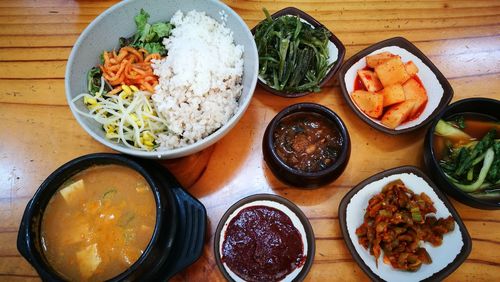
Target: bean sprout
<point>127,117</point>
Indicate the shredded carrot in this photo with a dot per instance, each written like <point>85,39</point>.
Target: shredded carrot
<point>116,90</point>
<point>131,67</point>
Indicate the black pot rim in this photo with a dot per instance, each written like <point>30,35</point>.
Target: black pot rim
<point>35,208</point>
<point>430,160</point>
<point>293,11</point>
<point>275,160</point>
<point>311,244</point>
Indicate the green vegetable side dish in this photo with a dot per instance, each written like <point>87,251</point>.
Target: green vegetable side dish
<point>468,150</point>
<point>293,55</point>
<point>147,36</point>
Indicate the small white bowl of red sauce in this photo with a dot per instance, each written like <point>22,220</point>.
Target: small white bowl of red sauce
<point>264,237</point>
<point>408,74</point>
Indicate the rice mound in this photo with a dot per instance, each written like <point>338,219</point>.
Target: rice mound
<point>199,80</point>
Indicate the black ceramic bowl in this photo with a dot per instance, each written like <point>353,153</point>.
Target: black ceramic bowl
<point>481,106</point>
<point>177,239</point>
<point>266,200</point>
<point>439,90</point>
<point>336,45</point>
<point>297,177</point>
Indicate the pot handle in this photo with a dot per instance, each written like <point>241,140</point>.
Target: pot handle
<point>193,219</point>
<point>23,237</point>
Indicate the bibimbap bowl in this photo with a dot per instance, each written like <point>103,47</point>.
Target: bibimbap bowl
<point>118,21</point>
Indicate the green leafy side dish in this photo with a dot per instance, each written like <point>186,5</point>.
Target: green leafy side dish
<point>293,55</point>
<point>471,159</point>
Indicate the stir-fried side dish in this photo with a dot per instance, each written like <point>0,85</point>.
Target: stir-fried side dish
<point>98,223</point>
<point>293,55</point>
<point>396,221</point>
<point>129,67</point>
<point>468,150</point>
<point>389,89</point>
<point>150,101</point>
<point>308,142</point>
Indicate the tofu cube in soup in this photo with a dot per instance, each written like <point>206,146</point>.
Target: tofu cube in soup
<point>73,192</point>
<point>397,114</point>
<point>415,91</point>
<point>370,103</point>
<point>393,94</point>
<point>88,260</point>
<point>411,68</point>
<point>370,80</point>
<point>392,72</point>
<point>374,60</point>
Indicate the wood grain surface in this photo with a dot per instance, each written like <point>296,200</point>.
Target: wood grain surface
<point>38,132</point>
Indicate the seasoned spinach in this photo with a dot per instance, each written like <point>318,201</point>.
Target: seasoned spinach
<point>293,56</point>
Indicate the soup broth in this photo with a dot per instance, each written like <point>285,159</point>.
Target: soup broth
<point>98,223</point>
<point>467,147</point>
<point>475,125</point>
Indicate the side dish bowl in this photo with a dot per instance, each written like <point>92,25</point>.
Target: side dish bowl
<point>298,218</point>
<point>477,106</point>
<point>118,21</point>
<point>439,90</point>
<point>455,247</point>
<point>335,48</point>
<point>294,176</point>
<point>178,216</point>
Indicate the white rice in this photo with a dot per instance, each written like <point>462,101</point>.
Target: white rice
<point>199,81</point>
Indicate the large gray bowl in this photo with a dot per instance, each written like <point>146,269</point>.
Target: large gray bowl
<point>118,21</point>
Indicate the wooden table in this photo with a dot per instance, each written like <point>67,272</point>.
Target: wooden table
<point>38,132</point>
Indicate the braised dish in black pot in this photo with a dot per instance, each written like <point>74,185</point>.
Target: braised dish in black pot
<point>177,229</point>
<point>306,145</point>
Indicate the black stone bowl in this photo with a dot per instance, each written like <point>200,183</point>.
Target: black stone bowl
<point>481,106</point>
<point>297,177</point>
<point>177,239</point>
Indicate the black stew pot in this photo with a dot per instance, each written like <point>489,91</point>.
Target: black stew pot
<point>177,239</point>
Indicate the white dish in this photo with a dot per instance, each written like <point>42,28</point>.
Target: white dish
<point>455,247</point>
<point>441,255</point>
<point>295,221</point>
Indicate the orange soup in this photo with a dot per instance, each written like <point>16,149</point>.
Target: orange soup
<point>98,223</point>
